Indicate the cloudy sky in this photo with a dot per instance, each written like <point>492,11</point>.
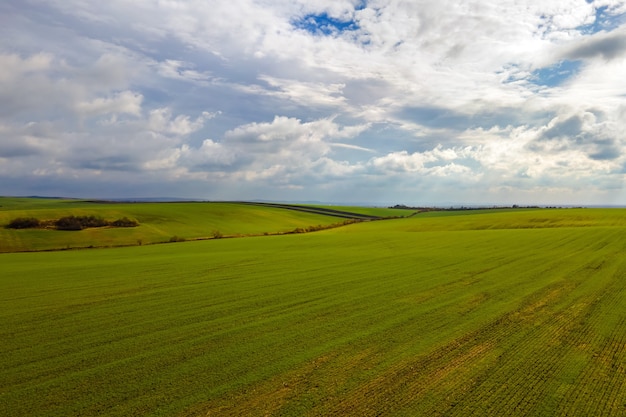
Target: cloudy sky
<point>351,101</point>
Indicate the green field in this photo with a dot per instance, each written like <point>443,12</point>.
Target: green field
<point>478,313</point>
<point>158,222</point>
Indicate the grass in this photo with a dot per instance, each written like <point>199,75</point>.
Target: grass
<point>474,313</point>
<point>158,222</point>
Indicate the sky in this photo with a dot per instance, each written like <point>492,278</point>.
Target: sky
<point>342,101</point>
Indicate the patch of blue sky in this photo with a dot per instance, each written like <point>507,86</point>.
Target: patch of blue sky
<point>323,24</point>
<point>555,75</point>
<point>604,21</point>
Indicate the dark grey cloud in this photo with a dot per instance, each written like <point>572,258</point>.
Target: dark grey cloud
<point>16,148</point>
<point>569,128</point>
<point>434,117</point>
<point>107,163</point>
<point>29,140</point>
<point>575,133</point>
<point>605,150</point>
<point>447,118</point>
<point>608,47</point>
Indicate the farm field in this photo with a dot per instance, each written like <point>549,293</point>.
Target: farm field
<point>491,313</point>
<point>158,222</point>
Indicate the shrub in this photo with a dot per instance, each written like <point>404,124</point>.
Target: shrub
<point>92,221</point>
<point>217,234</point>
<point>124,222</point>
<point>23,223</point>
<point>69,223</point>
<point>80,222</point>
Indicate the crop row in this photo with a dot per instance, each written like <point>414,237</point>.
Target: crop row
<point>525,361</point>
<point>374,319</point>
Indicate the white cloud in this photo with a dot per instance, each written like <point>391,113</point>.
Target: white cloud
<point>448,94</point>
<point>182,71</point>
<point>353,147</point>
<point>13,65</point>
<point>292,130</point>
<point>162,121</point>
<point>126,102</point>
<point>109,71</point>
<point>305,93</point>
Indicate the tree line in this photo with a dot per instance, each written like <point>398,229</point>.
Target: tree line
<point>69,223</point>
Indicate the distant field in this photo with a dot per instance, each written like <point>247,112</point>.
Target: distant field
<point>481,313</point>
<point>158,222</point>
<point>372,211</point>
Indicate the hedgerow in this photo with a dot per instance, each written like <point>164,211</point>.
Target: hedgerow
<point>23,223</point>
<point>70,223</point>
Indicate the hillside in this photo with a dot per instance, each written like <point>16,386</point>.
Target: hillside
<point>165,222</point>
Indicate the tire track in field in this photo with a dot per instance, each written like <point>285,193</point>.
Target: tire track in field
<point>538,385</point>
<point>605,369</point>
<point>536,378</point>
<point>514,324</point>
<point>601,391</point>
<point>534,324</point>
<point>408,383</point>
<point>481,372</point>
<point>502,378</point>
<point>613,401</point>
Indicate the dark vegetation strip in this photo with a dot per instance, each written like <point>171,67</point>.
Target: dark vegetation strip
<point>69,223</point>
<point>317,210</point>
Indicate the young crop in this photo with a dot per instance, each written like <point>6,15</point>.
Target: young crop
<point>159,222</point>
<point>486,313</point>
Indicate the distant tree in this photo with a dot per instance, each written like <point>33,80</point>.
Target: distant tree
<point>80,222</point>
<point>69,223</point>
<point>23,223</point>
<point>124,222</point>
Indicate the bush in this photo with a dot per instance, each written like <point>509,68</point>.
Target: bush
<point>92,221</point>
<point>23,223</point>
<point>80,222</point>
<point>69,223</point>
<point>124,222</point>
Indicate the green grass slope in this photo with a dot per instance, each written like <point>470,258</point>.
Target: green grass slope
<point>496,313</point>
<point>158,222</point>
